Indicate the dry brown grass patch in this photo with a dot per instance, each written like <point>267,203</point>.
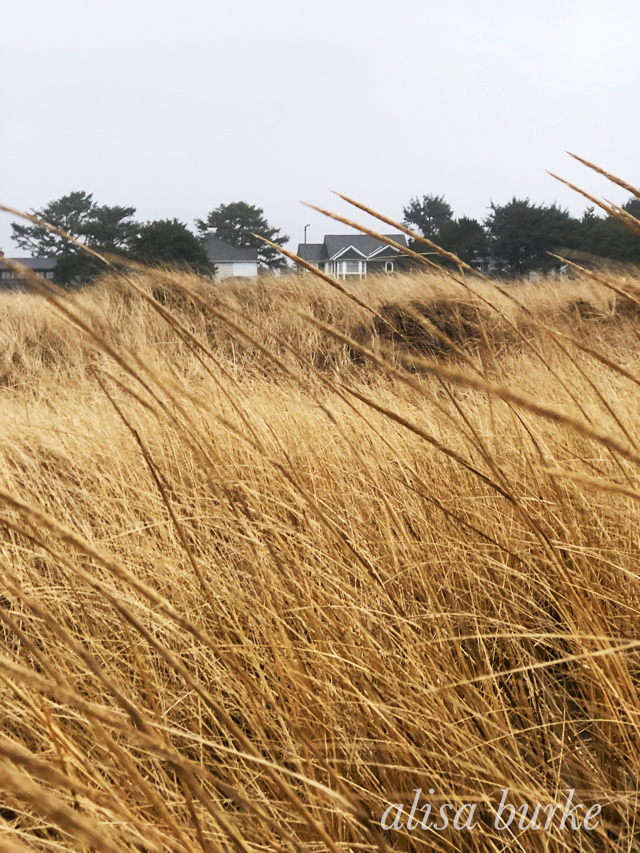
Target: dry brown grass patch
<point>257,584</point>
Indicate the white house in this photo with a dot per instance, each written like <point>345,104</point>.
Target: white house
<point>230,260</point>
<point>352,256</point>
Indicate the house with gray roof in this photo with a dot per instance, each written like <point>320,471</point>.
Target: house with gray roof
<point>230,260</point>
<point>352,256</point>
<point>10,279</point>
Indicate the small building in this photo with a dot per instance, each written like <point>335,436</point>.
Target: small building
<point>9,278</point>
<point>230,260</point>
<point>352,256</point>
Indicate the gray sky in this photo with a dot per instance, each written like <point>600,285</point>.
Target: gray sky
<point>177,107</point>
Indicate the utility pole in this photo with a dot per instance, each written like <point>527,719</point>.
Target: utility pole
<point>305,242</point>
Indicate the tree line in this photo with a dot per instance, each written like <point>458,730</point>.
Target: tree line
<point>113,231</point>
<point>512,240</point>
<point>517,237</point>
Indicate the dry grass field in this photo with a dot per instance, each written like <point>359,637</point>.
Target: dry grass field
<point>272,560</point>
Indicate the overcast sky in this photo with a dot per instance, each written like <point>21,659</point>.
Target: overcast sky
<point>176,107</point>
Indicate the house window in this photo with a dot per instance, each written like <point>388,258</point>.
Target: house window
<point>388,267</point>
<point>48,275</point>
<point>6,273</point>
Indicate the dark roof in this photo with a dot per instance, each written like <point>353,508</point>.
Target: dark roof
<point>313,252</point>
<point>219,251</point>
<point>334,243</point>
<point>362,242</point>
<point>37,264</point>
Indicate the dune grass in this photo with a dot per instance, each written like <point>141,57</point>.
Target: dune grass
<point>272,560</point>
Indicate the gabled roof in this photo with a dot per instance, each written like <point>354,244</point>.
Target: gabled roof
<point>349,253</point>
<point>220,252</point>
<point>313,252</point>
<point>336,245</point>
<point>363,243</point>
<point>37,264</point>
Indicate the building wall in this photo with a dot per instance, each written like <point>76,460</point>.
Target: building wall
<point>248,268</point>
<point>223,270</point>
<point>245,269</point>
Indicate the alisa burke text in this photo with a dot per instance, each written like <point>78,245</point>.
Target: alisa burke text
<point>567,815</point>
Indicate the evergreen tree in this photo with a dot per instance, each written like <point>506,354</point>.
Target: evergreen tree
<point>69,213</point>
<point>429,215</point>
<point>105,229</point>
<point>522,234</point>
<point>609,237</point>
<point>238,222</point>
<point>465,238</point>
<point>169,241</point>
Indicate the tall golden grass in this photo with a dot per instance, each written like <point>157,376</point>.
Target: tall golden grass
<point>271,560</point>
